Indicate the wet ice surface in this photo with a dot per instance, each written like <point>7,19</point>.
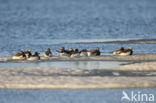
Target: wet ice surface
<point>139,75</point>
<point>69,96</point>
<point>65,64</point>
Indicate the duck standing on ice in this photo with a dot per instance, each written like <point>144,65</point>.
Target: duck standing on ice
<point>20,55</point>
<point>34,57</point>
<point>83,52</point>
<point>64,52</point>
<point>48,53</point>
<point>95,52</point>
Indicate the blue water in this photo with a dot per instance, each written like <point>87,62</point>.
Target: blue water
<point>71,96</point>
<point>39,24</point>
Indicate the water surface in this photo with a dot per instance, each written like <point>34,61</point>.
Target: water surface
<point>69,96</point>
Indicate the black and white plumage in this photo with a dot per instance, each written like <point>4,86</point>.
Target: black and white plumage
<point>64,52</point>
<point>123,51</point>
<point>75,53</point>
<point>129,51</point>
<point>28,53</point>
<point>34,57</point>
<point>83,52</point>
<point>48,53</point>
<point>117,52</point>
<point>95,52</point>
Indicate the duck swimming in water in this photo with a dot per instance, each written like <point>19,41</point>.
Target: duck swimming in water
<point>117,52</point>
<point>83,52</point>
<point>75,53</point>
<point>64,52</point>
<point>20,55</point>
<point>34,57</point>
<point>129,51</point>
<point>95,52</point>
<point>48,53</point>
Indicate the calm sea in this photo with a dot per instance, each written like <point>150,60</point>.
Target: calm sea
<point>77,96</point>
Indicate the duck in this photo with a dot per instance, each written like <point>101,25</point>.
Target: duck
<point>75,53</point>
<point>20,56</point>
<point>129,51</point>
<point>28,53</point>
<point>71,50</point>
<point>64,52</point>
<point>34,57</point>
<point>95,52</point>
<point>83,52</point>
<point>117,52</point>
<point>48,53</point>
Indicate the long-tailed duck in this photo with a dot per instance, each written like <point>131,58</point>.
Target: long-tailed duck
<point>28,53</point>
<point>83,52</point>
<point>129,51</point>
<point>20,55</point>
<point>48,53</point>
<point>75,53</point>
<point>71,50</point>
<point>64,52</point>
<point>117,52</point>
<point>34,57</point>
<point>95,52</point>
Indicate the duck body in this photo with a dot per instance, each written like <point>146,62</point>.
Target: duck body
<point>28,53</point>
<point>117,52</point>
<point>90,53</point>
<point>83,53</point>
<point>34,57</point>
<point>19,56</point>
<point>64,52</point>
<point>48,53</point>
<point>129,51</point>
<point>94,52</point>
<point>75,53</point>
<point>123,52</point>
